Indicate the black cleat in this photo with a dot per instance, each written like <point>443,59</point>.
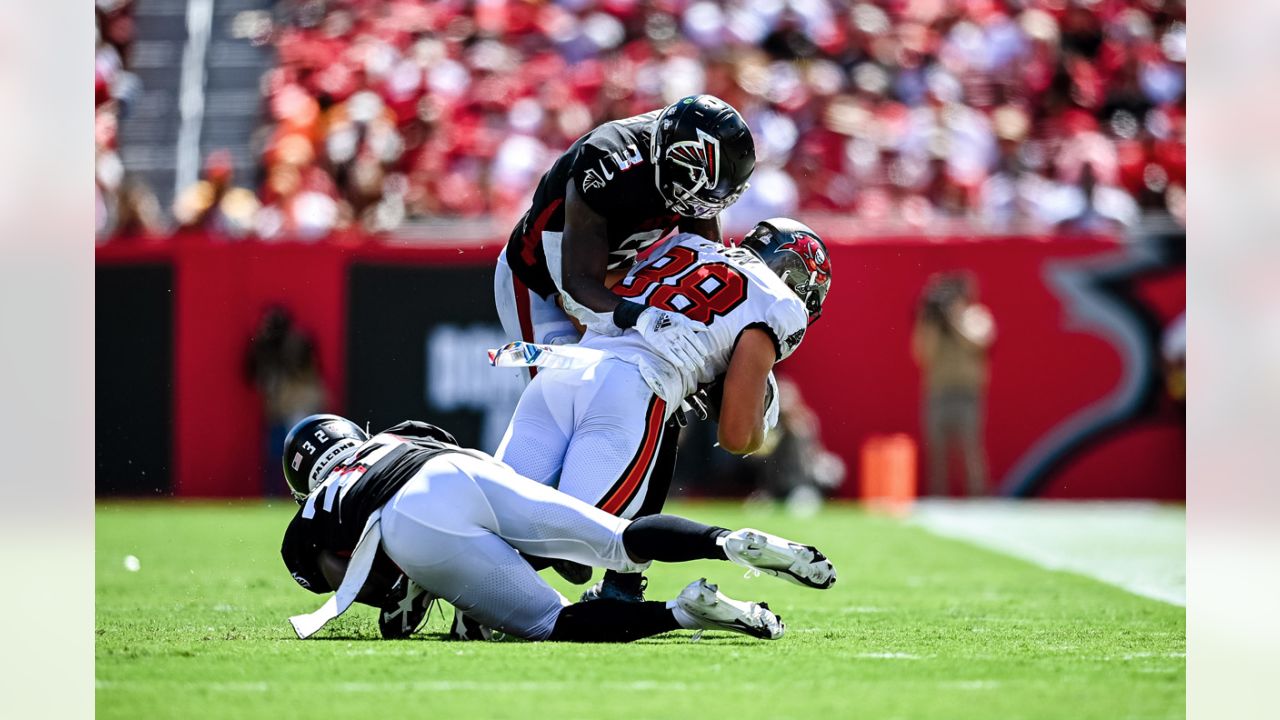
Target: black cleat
<point>404,610</point>
<point>466,628</point>
<point>617,586</point>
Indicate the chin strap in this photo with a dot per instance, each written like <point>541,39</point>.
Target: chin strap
<point>357,572</point>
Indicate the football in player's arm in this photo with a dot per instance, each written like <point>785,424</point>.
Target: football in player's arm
<point>614,193</point>
<point>618,190</point>
<point>586,297</point>
<point>749,386</point>
<point>589,425</point>
<point>702,155</point>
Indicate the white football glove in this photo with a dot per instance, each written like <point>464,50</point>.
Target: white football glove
<point>674,336</point>
<point>772,407</point>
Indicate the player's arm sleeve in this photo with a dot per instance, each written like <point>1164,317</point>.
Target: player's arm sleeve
<point>786,322</point>
<point>301,555</point>
<point>585,176</point>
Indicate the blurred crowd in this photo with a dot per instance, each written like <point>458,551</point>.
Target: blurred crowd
<point>123,204</point>
<point>1052,114</point>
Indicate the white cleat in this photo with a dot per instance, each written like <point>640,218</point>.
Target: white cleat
<point>801,564</point>
<point>712,610</point>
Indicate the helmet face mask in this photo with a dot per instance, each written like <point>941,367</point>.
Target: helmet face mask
<point>795,253</point>
<point>686,202</point>
<point>703,154</point>
<point>315,446</point>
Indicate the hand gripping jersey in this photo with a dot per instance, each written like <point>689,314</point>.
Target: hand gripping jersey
<point>727,289</point>
<point>611,170</point>
<point>335,512</point>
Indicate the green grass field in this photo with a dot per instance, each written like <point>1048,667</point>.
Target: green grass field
<point>917,627</point>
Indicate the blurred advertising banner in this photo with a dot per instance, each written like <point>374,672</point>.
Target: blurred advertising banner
<point>416,342</point>
<point>1080,400</point>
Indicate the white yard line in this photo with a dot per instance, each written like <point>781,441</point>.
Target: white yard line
<point>1140,547</point>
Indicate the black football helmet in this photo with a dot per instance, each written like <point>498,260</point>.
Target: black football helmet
<point>798,256</point>
<point>314,446</point>
<point>703,155</point>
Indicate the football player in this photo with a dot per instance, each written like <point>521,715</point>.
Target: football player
<point>614,193</point>
<point>593,430</point>
<point>455,521</point>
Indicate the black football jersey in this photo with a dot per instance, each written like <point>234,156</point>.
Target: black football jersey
<point>335,513</point>
<point>610,169</point>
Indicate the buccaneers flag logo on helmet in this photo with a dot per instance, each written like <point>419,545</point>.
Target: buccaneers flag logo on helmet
<point>812,253</point>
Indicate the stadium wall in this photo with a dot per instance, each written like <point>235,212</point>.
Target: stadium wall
<point>1076,406</point>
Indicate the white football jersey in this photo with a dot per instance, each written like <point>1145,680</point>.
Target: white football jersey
<point>727,289</point>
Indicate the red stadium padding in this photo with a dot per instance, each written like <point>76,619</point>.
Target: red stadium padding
<point>1076,319</point>
<point>857,373</point>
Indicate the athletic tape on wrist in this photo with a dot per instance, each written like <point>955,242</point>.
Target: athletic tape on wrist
<point>627,313</point>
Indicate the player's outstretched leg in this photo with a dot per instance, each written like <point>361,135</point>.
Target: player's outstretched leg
<point>779,557</point>
<point>700,606</point>
<point>669,538</point>
<point>538,520</point>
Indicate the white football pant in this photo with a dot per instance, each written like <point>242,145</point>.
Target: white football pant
<point>527,316</point>
<point>456,526</point>
<point>593,433</point>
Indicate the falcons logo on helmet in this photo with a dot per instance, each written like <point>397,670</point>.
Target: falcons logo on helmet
<point>814,257</point>
<point>592,180</point>
<point>701,156</point>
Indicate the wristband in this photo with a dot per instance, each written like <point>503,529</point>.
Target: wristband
<point>627,313</point>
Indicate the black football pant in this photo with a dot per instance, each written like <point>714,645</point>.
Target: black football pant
<point>663,538</point>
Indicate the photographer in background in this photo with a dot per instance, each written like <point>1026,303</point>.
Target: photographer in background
<point>283,365</point>
<point>950,341</point>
